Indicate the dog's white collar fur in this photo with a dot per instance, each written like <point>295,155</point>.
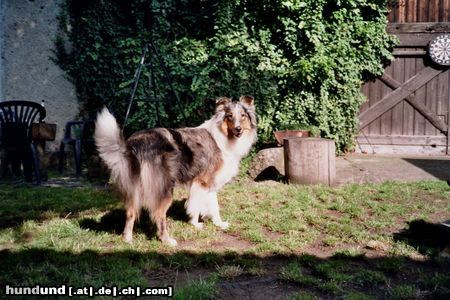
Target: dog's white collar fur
<point>237,149</point>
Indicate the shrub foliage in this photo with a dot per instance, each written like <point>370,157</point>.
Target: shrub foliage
<point>303,61</point>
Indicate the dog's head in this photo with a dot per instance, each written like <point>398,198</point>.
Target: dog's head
<point>236,118</point>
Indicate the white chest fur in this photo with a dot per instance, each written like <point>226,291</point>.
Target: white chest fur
<point>230,168</point>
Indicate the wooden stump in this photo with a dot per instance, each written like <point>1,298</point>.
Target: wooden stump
<point>310,160</point>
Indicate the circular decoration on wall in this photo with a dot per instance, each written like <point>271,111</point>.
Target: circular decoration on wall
<point>439,50</point>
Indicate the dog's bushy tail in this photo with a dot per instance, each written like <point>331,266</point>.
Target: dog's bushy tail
<point>112,148</point>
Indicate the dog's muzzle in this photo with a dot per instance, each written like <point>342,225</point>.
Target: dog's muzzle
<point>237,131</point>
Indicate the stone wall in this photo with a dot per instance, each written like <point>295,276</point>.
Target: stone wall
<point>27,32</point>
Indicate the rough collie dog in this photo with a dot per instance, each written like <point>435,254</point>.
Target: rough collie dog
<point>148,165</point>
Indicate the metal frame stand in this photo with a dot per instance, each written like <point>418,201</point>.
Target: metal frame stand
<point>151,49</point>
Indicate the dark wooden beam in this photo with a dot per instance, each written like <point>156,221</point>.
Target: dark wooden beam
<point>418,27</point>
<point>400,93</point>
<point>420,107</point>
<point>415,39</point>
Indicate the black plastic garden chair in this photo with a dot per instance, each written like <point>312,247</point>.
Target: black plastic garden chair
<point>79,135</point>
<point>16,119</point>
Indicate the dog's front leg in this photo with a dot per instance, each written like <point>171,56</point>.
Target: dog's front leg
<point>196,203</point>
<point>203,202</point>
<point>214,211</point>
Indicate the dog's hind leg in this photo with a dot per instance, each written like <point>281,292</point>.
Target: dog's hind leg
<point>131,215</point>
<point>160,219</point>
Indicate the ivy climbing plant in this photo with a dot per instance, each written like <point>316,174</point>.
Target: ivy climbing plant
<point>303,61</point>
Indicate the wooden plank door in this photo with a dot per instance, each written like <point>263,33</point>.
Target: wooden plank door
<point>408,106</point>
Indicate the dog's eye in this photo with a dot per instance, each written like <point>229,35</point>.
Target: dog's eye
<point>243,116</point>
<point>229,117</point>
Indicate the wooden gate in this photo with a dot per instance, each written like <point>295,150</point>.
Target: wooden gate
<point>408,110</point>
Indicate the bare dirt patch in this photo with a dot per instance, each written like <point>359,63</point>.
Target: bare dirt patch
<point>228,241</point>
<point>270,234</point>
<point>266,287</point>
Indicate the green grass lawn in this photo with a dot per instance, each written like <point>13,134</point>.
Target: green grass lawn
<point>349,242</point>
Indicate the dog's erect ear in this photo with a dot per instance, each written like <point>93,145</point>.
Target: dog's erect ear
<point>247,101</point>
<point>249,104</point>
<point>222,102</point>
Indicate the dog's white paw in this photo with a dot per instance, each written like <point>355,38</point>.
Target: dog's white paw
<point>222,225</point>
<point>170,242</point>
<point>197,225</point>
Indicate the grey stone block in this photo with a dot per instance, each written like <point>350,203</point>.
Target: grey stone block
<point>267,164</point>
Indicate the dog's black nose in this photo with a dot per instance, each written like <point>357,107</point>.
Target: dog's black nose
<point>238,128</point>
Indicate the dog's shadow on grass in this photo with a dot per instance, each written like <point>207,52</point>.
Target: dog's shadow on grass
<point>428,238</point>
<point>114,221</point>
